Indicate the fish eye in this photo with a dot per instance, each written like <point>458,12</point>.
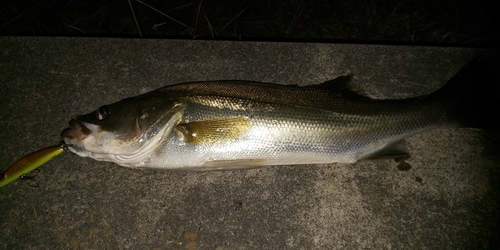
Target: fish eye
<point>102,112</point>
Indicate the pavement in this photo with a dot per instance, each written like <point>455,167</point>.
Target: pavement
<point>448,199</point>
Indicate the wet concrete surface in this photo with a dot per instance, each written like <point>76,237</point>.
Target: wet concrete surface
<point>446,198</point>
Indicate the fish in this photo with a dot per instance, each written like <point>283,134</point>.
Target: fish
<point>229,125</point>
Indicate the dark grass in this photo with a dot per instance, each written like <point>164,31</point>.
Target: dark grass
<point>392,21</point>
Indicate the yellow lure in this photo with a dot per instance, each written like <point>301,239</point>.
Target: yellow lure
<point>29,163</point>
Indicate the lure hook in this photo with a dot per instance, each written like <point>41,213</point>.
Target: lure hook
<point>31,178</point>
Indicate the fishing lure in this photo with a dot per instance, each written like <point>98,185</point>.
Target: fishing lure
<point>29,163</point>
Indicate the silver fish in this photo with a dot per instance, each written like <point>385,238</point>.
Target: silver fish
<point>240,125</point>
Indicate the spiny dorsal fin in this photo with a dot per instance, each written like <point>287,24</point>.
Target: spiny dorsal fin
<point>214,131</point>
<point>343,85</point>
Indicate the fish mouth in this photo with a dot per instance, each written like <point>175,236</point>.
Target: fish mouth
<point>76,131</point>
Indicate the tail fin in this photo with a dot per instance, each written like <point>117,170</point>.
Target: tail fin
<point>475,92</point>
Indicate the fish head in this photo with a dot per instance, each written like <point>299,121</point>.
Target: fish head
<point>124,132</point>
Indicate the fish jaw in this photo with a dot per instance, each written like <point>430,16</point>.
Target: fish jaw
<point>103,145</point>
<point>77,131</point>
<point>74,136</point>
<point>80,138</point>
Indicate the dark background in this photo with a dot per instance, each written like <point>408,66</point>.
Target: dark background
<point>448,22</point>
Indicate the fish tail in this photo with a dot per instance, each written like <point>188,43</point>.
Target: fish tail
<point>474,93</point>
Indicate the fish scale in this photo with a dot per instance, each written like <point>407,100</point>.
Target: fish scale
<point>285,134</point>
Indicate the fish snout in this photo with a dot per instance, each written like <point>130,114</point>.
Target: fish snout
<point>76,130</point>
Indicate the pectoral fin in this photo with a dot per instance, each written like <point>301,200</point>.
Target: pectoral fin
<point>395,150</point>
<point>214,131</point>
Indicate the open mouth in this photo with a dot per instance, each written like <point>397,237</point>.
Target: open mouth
<point>76,131</point>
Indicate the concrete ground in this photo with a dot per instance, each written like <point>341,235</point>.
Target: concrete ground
<point>447,200</point>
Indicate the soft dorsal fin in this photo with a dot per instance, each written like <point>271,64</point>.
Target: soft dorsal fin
<point>339,84</point>
<point>342,85</point>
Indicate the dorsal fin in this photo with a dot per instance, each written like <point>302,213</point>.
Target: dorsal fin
<point>342,85</point>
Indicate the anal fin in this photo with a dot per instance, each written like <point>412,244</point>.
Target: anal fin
<point>234,164</point>
<point>396,151</point>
